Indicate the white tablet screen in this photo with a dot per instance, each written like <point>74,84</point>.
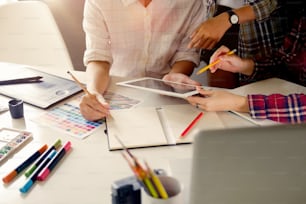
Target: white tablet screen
<point>164,85</point>
<point>161,86</point>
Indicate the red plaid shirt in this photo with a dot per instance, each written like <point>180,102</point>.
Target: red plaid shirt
<point>288,62</point>
<point>279,108</point>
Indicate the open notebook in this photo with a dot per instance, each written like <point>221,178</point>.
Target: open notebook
<point>157,126</point>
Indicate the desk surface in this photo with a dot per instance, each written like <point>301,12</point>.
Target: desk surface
<point>87,172</point>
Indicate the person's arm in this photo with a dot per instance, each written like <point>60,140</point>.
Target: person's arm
<point>211,100</point>
<point>212,30</point>
<point>93,106</point>
<point>232,63</point>
<point>279,108</point>
<point>97,59</point>
<point>97,74</point>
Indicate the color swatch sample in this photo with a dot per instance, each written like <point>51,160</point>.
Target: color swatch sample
<point>68,119</point>
<point>117,101</point>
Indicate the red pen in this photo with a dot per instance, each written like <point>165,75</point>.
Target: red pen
<point>184,133</point>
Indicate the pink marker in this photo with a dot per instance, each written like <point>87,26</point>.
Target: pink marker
<point>46,171</point>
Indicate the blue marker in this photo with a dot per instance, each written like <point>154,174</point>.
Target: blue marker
<point>46,171</point>
<point>56,145</point>
<point>33,178</point>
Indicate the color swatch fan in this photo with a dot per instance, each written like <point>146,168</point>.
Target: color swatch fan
<point>68,119</point>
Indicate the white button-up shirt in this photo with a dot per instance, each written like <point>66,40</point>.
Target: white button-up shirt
<point>141,41</point>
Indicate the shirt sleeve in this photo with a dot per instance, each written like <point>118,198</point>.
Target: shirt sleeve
<point>264,8</point>
<point>97,35</point>
<point>184,53</point>
<point>275,66</point>
<point>278,107</point>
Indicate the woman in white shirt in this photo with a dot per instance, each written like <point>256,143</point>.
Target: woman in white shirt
<point>137,38</point>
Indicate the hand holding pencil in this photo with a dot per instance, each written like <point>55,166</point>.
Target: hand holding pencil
<point>93,106</point>
<point>215,60</point>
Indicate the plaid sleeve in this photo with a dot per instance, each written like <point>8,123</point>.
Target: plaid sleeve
<point>279,108</point>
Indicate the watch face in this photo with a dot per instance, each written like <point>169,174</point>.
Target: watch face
<point>234,19</point>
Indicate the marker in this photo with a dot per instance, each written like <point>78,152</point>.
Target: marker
<point>46,171</point>
<point>192,124</point>
<point>9,177</point>
<point>56,145</point>
<point>214,63</point>
<point>33,178</point>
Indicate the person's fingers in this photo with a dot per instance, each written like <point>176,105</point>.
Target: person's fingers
<point>204,92</point>
<point>92,109</point>
<point>89,113</point>
<point>220,51</point>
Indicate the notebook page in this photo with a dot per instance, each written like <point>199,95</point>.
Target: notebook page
<point>178,117</point>
<point>137,127</point>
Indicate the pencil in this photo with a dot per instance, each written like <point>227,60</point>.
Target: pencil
<point>100,99</point>
<point>214,63</point>
<point>184,133</point>
<point>142,177</point>
<point>159,186</point>
<point>35,79</point>
<point>79,83</point>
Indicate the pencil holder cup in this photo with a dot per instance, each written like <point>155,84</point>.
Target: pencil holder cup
<point>173,188</point>
<point>16,108</point>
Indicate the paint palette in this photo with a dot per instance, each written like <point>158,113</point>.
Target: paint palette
<point>11,140</point>
<point>68,119</point>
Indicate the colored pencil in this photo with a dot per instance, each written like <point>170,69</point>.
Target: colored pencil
<point>214,63</point>
<point>193,122</point>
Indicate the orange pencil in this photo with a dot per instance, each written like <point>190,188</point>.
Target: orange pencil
<point>214,63</point>
<point>79,83</point>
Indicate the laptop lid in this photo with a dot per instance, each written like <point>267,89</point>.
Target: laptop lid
<point>250,165</point>
<point>43,94</point>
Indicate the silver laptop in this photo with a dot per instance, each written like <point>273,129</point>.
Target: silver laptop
<point>254,165</point>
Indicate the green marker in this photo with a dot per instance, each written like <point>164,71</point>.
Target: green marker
<point>56,145</point>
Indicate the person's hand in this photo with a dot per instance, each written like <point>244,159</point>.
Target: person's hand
<point>93,107</point>
<point>231,63</point>
<point>180,78</point>
<point>209,33</point>
<point>211,100</point>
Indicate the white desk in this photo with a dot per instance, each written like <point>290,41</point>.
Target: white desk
<point>85,175</point>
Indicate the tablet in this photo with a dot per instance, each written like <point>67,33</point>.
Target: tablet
<point>51,90</point>
<point>169,88</point>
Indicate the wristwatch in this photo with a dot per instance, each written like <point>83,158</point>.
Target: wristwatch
<point>233,17</point>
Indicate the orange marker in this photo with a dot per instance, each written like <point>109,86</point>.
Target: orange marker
<point>9,177</point>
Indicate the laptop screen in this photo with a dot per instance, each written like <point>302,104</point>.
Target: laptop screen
<point>250,165</point>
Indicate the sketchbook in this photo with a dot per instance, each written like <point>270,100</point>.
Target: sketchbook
<point>157,126</point>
